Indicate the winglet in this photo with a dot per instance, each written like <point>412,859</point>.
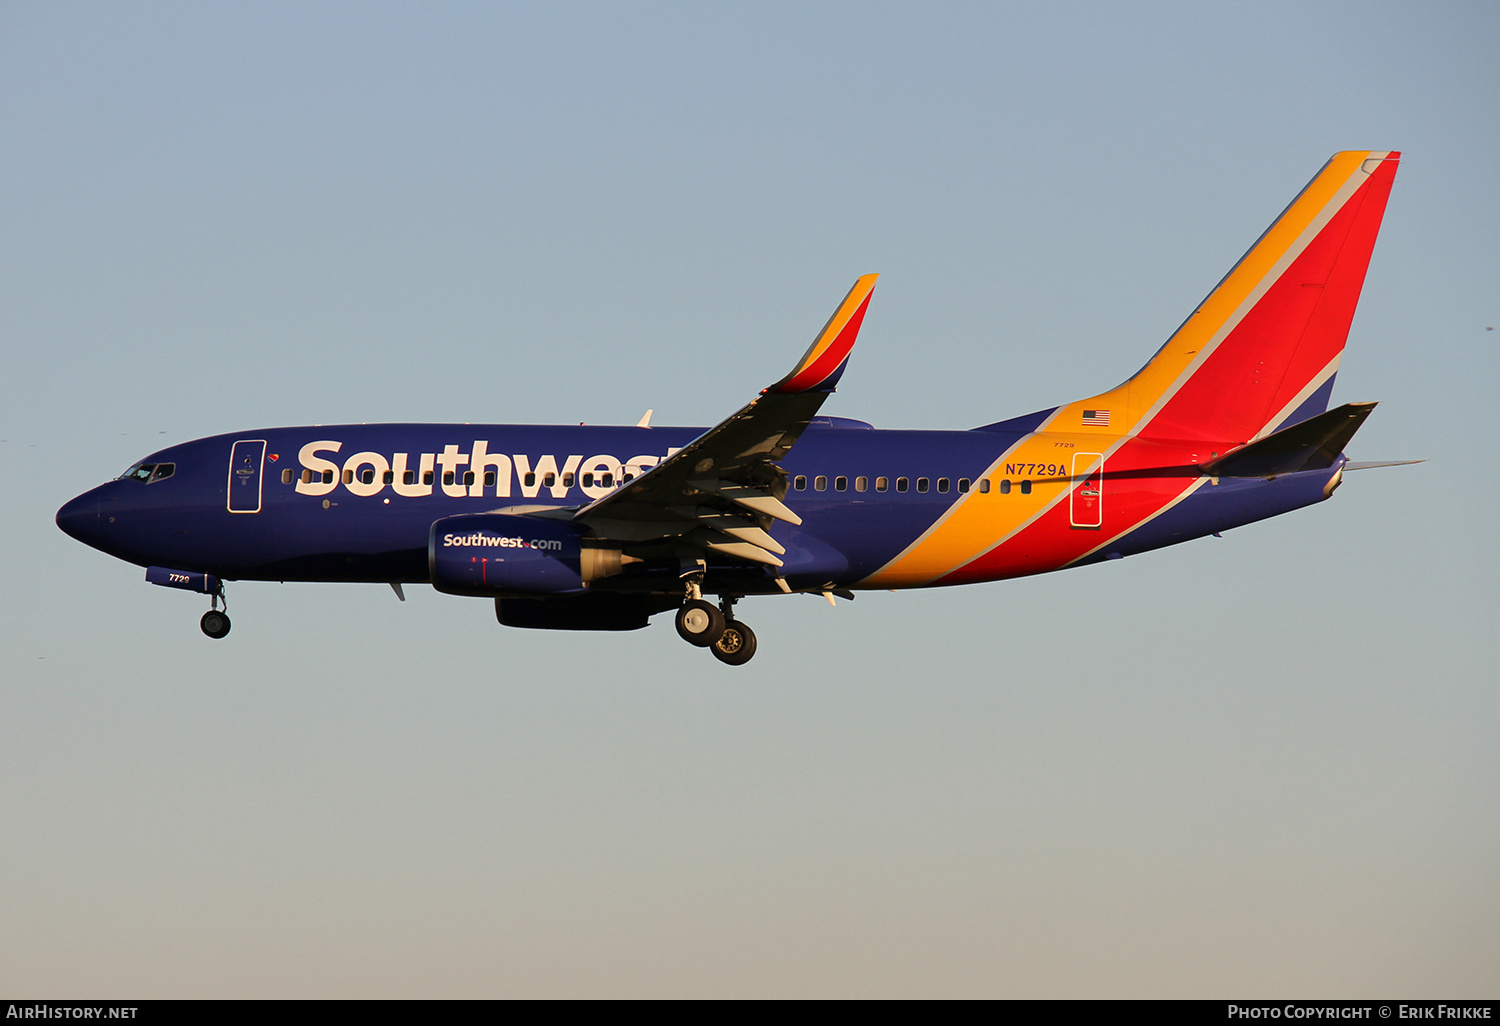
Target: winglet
<point>823,364</point>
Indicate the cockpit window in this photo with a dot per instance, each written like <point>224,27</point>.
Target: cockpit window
<point>149,472</point>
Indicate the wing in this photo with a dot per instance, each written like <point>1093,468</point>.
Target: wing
<point>723,490</point>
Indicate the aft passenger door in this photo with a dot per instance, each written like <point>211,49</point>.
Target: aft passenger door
<point>246,463</point>
<point>1086,503</point>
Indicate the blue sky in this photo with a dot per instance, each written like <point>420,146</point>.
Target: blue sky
<point>1261,765</point>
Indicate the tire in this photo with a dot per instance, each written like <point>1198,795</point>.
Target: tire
<point>736,646</point>
<point>215,624</point>
<point>699,623</point>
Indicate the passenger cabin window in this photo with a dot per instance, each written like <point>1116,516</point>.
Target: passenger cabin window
<point>548,480</point>
<point>984,486</point>
<point>861,484</point>
<point>568,479</point>
<point>468,477</point>
<point>410,477</point>
<point>489,479</point>
<point>529,480</point>
<point>447,477</point>
<point>348,477</point>
<point>307,477</point>
<point>799,483</point>
<point>963,484</point>
<point>942,484</point>
<point>820,483</point>
<point>841,484</point>
<point>286,476</point>
<point>588,480</point>
<point>1025,487</point>
<point>922,484</point>
<point>367,476</point>
<point>902,484</point>
<point>882,484</point>
<point>1005,487</point>
<point>607,479</point>
<point>427,477</point>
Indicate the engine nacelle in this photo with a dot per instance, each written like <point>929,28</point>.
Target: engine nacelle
<point>506,554</point>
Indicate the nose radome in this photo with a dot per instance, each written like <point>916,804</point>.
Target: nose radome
<point>79,518</point>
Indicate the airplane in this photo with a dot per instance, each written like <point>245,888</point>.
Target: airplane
<point>602,528</point>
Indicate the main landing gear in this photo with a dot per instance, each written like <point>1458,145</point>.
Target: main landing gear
<point>736,646</point>
<point>702,624</point>
<point>215,622</point>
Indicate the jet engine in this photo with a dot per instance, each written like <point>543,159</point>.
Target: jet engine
<point>508,554</point>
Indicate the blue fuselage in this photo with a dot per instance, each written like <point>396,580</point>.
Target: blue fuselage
<point>356,502</point>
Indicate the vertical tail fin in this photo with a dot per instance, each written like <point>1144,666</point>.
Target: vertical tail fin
<point>1261,351</point>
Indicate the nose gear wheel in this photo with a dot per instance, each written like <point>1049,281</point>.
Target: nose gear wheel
<point>215,622</point>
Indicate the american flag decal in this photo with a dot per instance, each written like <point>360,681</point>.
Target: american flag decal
<point>1096,418</point>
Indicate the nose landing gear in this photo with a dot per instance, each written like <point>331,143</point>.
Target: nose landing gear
<point>215,622</point>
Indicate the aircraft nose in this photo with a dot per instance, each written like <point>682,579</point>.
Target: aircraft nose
<point>79,518</point>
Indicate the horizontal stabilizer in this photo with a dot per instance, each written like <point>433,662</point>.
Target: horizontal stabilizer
<point>1313,444</point>
<point>1372,464</point>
